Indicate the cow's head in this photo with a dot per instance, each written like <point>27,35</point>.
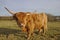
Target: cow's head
<point>20,17</point>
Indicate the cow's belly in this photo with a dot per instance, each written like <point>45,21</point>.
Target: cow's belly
<point>38,25</point>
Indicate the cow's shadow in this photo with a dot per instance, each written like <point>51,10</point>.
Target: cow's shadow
<point>7,32</point>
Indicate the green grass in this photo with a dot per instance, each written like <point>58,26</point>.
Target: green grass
<point>9,30</point>
<point>8,24</point>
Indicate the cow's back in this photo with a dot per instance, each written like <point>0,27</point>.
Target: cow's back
<point>39,19</point>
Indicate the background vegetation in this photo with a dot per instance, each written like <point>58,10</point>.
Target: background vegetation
<point>9,29</point>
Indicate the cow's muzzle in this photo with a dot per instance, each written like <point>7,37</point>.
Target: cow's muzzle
<point>22,25</point>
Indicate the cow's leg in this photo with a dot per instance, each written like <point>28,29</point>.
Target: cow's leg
<point>30,32</point>
<point>43,30</point>
<point>45,27</point>
<point>40,29</point>
<point>28,36</point>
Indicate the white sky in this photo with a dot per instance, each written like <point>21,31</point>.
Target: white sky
<point>48,6</point>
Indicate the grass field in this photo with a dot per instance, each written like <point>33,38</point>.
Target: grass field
<point>9,30</point>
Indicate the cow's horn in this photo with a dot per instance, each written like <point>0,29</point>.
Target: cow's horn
<point>9,10</point>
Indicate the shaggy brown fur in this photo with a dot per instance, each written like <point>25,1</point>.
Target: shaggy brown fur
<point>30,21</point>
<point>40,21</point>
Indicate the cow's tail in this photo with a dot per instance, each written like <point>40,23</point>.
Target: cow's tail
<point>9,10</point>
